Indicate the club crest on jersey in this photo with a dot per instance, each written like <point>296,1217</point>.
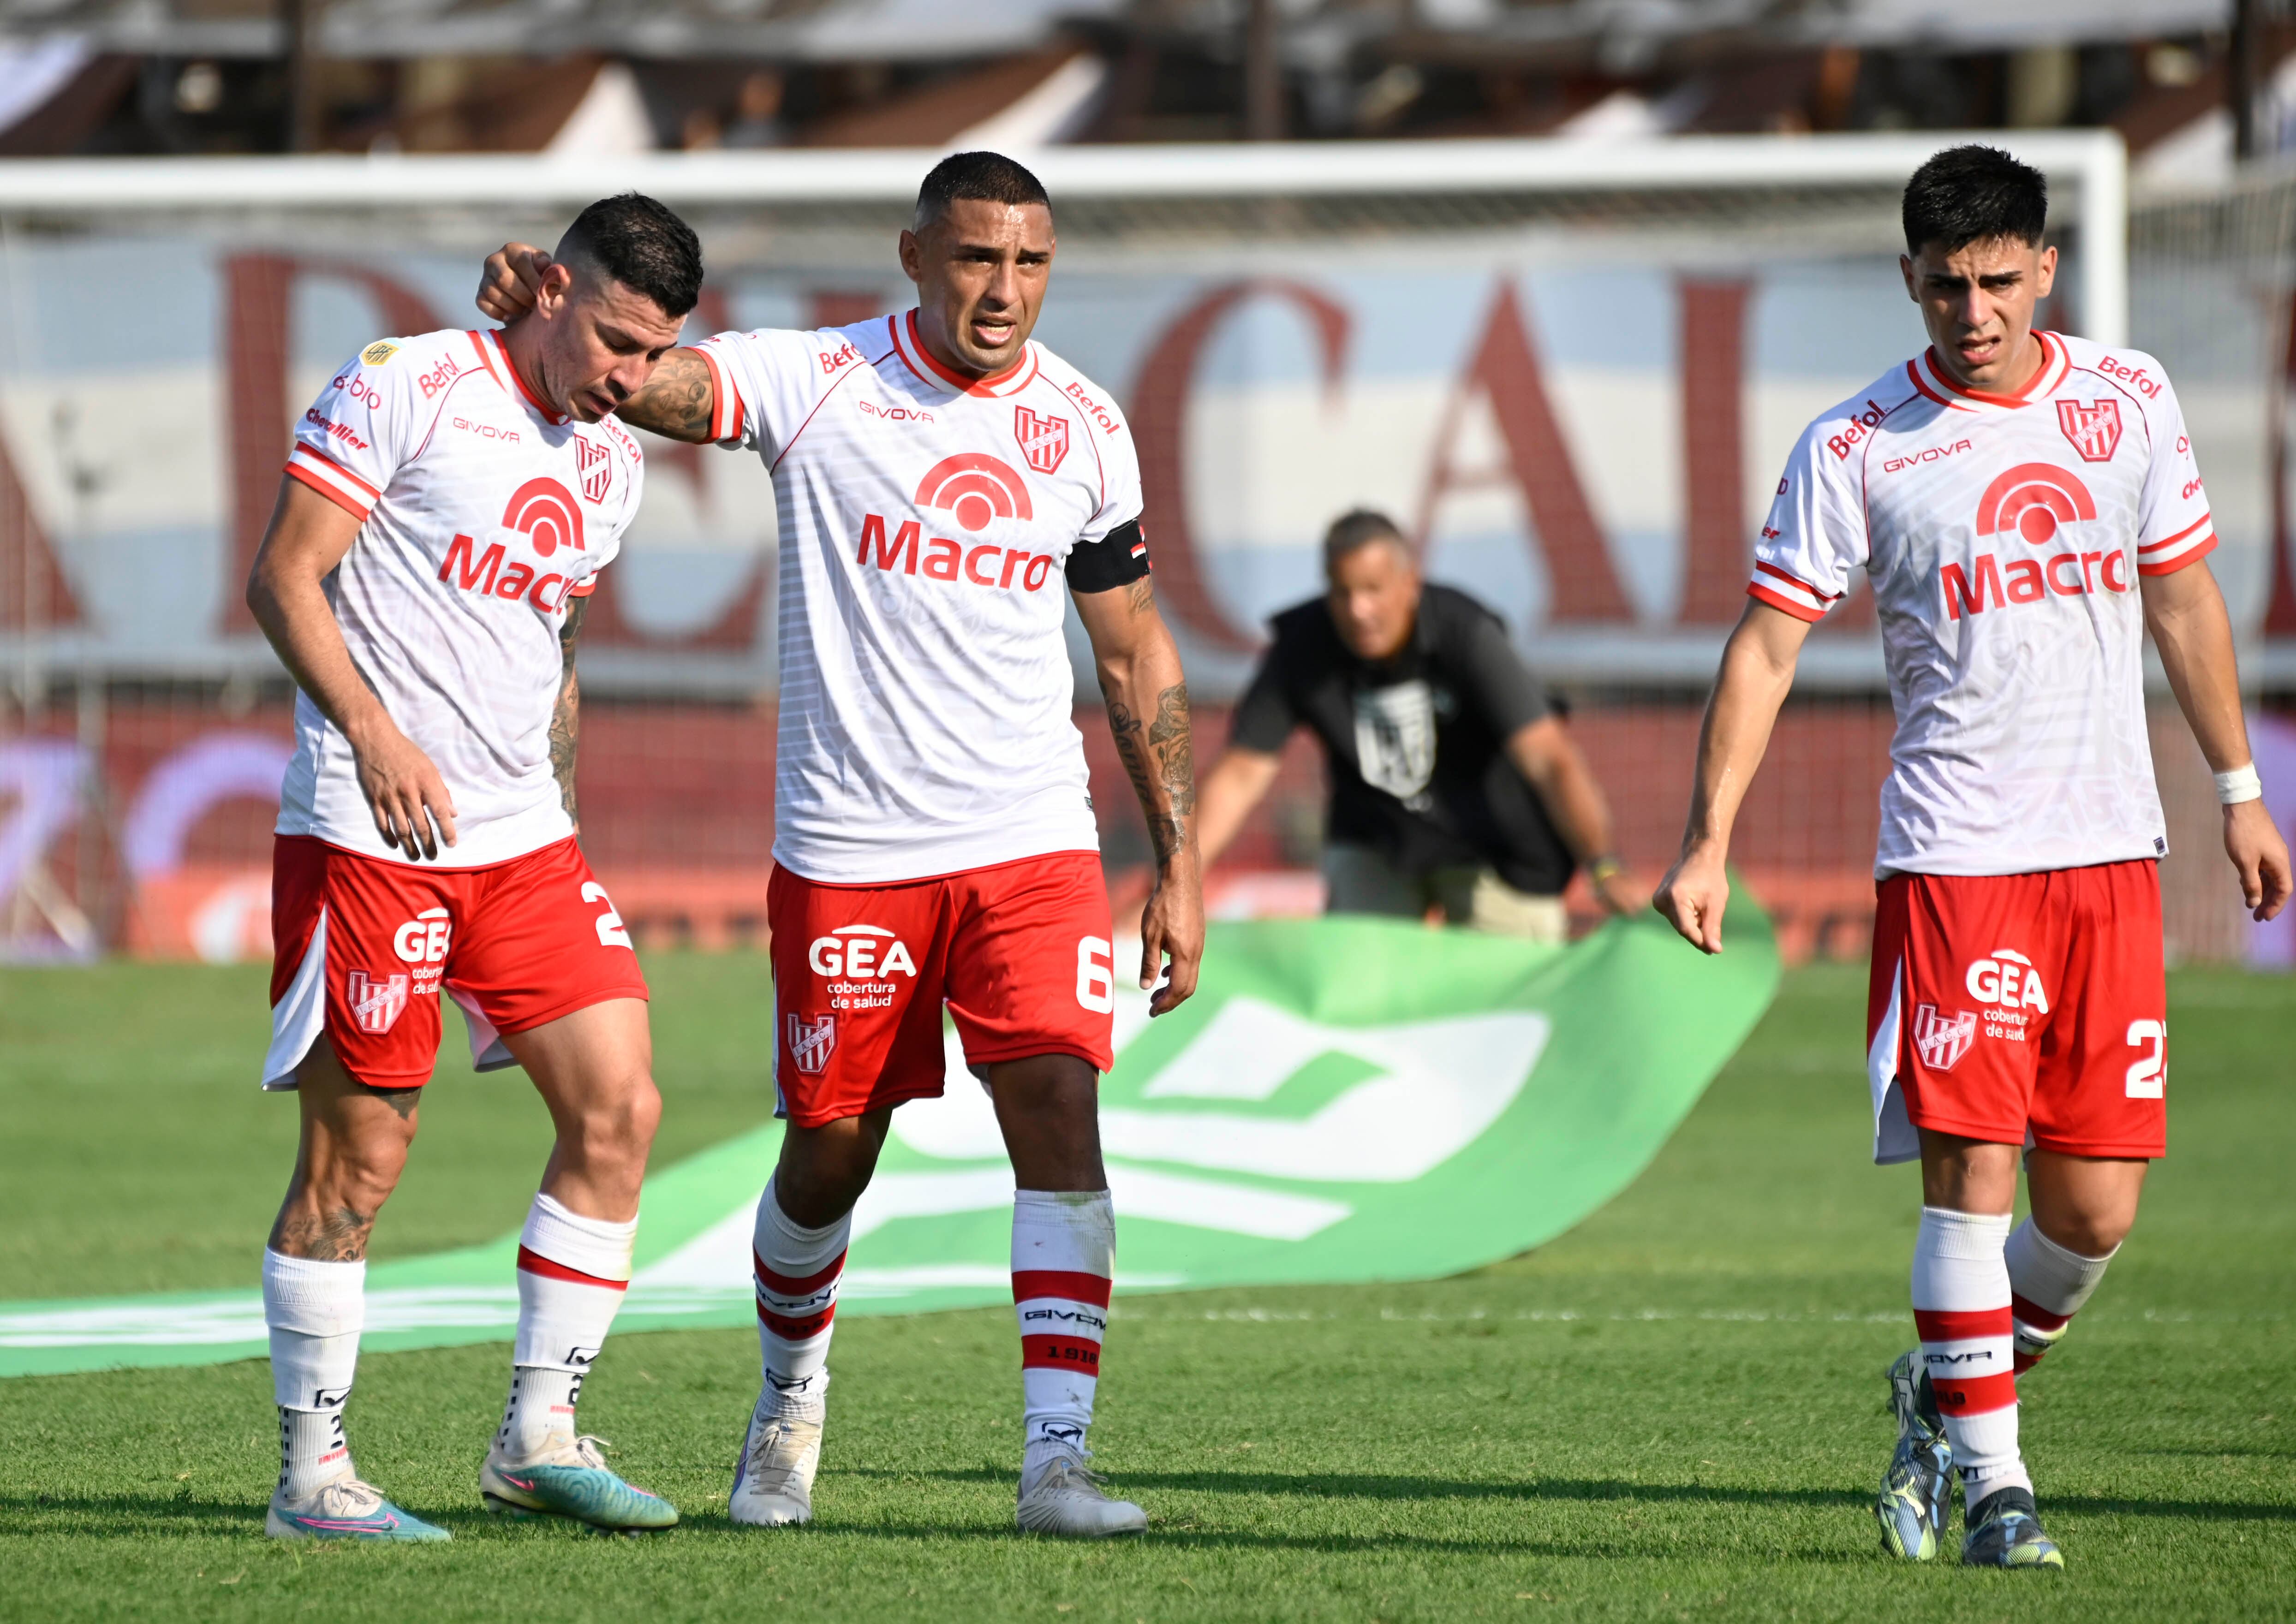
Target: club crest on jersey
<point>2093,426</point>
<point>376,1001</point>
<point>1044,440</point>
<point>1941,1040</point>
<point>812,1042</point>
<point>597,465</point>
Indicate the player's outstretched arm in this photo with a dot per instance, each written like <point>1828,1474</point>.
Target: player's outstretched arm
<point>1758,668</point>
<point>308,538</point>
<point>678,399</point>
<point>1545,754</point>
<point>1238,782</point>
<point>1147,695</point>
<point>2185,612</point>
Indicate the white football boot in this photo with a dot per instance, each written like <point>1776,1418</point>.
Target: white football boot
<point>772,1481</point>
<point>1059,1497</point>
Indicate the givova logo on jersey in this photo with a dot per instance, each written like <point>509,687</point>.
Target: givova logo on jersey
<point>976,490</point>
<point>2031,504</point>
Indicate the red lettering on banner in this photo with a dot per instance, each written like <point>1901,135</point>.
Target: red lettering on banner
<point>1504,369</point>
<point>1716,557</point>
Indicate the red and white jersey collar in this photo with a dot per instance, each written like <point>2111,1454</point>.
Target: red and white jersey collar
<point>909,344</point>
<point>512,383</point>
<point>1934,382</point>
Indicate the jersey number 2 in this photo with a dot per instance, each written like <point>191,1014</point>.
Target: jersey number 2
<point>2149,1075</point>
<point>611,933</point>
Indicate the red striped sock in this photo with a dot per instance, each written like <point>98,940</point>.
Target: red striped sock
<point>1063,1260</point>
<point>2048,1284</point>
<point>1961,1310</point>
<point>797,1271</point>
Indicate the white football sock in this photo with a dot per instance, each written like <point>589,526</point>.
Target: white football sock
<point>797,1273</point>
<point>1063,1259</point>
<point>572,1272</point>
<point>2047,1284</point>
<point>1961,1309</point>
<point>315,1311</point>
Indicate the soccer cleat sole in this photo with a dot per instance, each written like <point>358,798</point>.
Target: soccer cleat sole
<point>585,1495</point>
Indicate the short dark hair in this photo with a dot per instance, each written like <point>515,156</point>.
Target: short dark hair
<point>988,178</point>
<point>641,244</point>
<point>1357,529</point>
<point>1974,193</point>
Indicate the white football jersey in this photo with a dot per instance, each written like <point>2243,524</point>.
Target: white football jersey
<point>926,519</point>
<point>2003,536</point>
<point>483,512</point>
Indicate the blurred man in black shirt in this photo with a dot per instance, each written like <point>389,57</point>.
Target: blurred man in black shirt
<point>1455,785</point>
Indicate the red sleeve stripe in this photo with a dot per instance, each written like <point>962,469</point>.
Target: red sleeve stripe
<point>792,1286</point>
<point>2170,541</point>
<point>2190,552</point>
<point>724,410</point>
<point>353,505</point>
<point>585,589</point>
<point>535,1263</point>
<point>328,465</point>
<point>1799,611</point>
<point>1030,1283</point>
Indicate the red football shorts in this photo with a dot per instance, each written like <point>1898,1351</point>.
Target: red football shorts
<point>2020,1009</point>
<point>363,945</point>
<point>1020,952</point>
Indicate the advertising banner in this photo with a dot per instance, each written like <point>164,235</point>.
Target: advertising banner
<point>1345,1100</point>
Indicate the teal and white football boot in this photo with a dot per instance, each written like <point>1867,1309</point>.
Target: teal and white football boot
<point>1917,1489</point>
<point>2005,1531</point>
<point>349,1508</point>
<point>571,1480</point>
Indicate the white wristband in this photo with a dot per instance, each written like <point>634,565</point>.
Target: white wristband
<point>2241,783</point>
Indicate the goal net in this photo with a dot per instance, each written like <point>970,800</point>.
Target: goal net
<point>1571,372</point>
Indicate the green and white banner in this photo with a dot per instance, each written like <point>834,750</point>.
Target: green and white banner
<point>1343,1100</point>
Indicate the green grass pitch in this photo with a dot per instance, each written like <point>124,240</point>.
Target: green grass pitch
<point>1675,1411</point>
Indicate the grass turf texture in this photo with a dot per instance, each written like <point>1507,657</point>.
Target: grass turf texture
<point>1675,1411</point>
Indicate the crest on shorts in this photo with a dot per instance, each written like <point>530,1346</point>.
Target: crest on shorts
<point>597,465</point>
<point>1941,1040</point>
<point>2093,427</point>
<point>1044,440</point>
<point>376,1001</point>
<point>811,1043</point>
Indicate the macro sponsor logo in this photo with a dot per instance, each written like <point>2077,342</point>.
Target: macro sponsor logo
<point>860,963</point>
<point>895,414</point>
<point>1931,454</point>
<point>1044,440</point>
<point>2136,377</point>
<point>439,376</point>
<point>833,361</point>
<point>1093,409</point>
<point>2093,427</point>
<point>358,388</point>
<point>486,430</point>
<point>940,559</point>
<point>2031,502</point>
<point>975,488</point>
<point>545,512</point>
<point>811,1043</point>
<point>1861,424</point>
<point>1941,1040</point>
<point>596,464</point>
<point>334,430</point>
<point>376,1002</point>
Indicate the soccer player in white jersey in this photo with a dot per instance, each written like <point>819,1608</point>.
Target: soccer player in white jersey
<point>2024,506</point>
<point>446,508</point>
<point>939,480</point>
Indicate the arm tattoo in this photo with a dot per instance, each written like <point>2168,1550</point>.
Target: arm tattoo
<point>676,400</point>
<point>1168,789</point>
<point>566,716</point>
